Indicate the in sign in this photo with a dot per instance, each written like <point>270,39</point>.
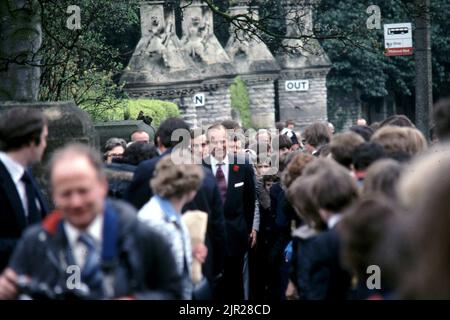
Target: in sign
<point>297,85</point>
<point>199,100</point>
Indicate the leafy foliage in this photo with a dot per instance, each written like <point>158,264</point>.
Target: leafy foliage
<point>158,110</point>
<point>240,101</point>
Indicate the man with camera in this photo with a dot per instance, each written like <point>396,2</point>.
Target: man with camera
<point>89,245</point>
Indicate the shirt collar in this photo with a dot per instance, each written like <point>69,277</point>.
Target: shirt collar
<point>94,230</point>
<point>334,220</point>
<point>15,169</point>
<point>167,208</point>
<point>215,162</point>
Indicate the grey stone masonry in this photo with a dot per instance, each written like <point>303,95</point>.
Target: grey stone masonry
<point>257,66</point>
<point>304,107</point>
<point>302,85</point>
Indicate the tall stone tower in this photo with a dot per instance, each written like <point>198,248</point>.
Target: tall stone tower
<point>302,88</point>
<point>256,65</point>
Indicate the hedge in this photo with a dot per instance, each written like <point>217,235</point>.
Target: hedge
<point>129,109</point>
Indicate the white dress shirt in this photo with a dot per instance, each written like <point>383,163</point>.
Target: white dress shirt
<point>16,171</point>
<point>79,249</point>
<point>334,219</point>
<point>225,164</point>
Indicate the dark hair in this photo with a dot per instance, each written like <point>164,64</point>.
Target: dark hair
<point>279,126</point>
<point>398,120</point>
<point>284,142</point>
<point>230,124</point>
<point>167,128</point>
<point>137,152</point>
<point>365,154</point>
<point>441,116</point>
<point>21,126</point>
<point>364,131</point>
<point>290,121</point>
<point>317,134</point>
<point>111,143</point>
<point>270,178</point>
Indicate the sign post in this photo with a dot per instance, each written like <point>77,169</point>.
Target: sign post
<point>398,39</point>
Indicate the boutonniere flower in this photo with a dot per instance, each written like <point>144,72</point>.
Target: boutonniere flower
<point>235,168</point>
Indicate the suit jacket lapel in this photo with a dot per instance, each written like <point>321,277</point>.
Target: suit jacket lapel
<point>40,197</point>
<point>13,196</point>
<point>233,176</point>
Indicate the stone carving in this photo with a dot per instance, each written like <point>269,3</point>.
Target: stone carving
<point>303,52</point>
<point>159,57</point>
<point>198,35</point>
<point>246,50</point>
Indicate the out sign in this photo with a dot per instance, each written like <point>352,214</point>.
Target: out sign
<point>297,85</point>
<point>199,100</point>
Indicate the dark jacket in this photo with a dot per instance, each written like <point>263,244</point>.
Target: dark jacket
<point>207,200</point>
<point>142,267</point>
<point>328,280</point>
<point>239,206</point>
<point>12,215</point>
<point>119,178</point>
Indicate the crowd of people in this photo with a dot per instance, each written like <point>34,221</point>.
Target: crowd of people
<point>299,215</point>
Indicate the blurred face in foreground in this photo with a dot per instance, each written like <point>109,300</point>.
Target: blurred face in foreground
<point>78,190</point>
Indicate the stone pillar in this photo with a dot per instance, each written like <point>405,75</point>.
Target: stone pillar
<point>216,68</point>
<point>302,85</point>
<point>257,66</point>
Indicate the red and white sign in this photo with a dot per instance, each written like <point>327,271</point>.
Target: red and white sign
<point>398,39</point>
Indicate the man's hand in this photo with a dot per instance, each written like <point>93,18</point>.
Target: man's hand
<point>199,252</point>
<point>8,288</point>
<point>253,237</point>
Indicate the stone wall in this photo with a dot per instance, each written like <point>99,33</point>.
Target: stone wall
<point>304,107</point>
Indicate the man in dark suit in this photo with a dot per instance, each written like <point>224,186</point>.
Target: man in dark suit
<point>236,180</point>
<point>207,198</point>
<point>23,138</point>
<point>90,243</point>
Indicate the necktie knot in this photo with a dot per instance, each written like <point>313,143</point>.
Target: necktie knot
<point>26,178</point>
<point>87,240</point>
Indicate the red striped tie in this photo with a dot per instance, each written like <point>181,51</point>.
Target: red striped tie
<point>221,182</point>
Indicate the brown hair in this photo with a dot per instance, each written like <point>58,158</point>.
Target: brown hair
<point>382,177</point>
<point>441,117</point>
<point>295,168</point>
<point>428,238</point>
<point>335,189</point>
<point>398,120</point>
<point>343,145</point>
<point>172,180</point>
<point>362,230</point>
<point>317,134</point>
<point>21,126</point>
<point>301,196</point>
